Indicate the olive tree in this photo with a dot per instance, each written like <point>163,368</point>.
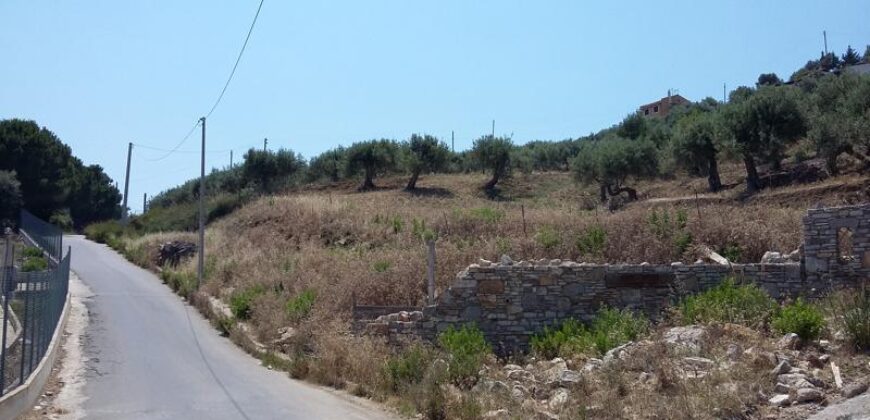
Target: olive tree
<point>423,153</point>
<point>372,158</point>
<point>760,126</point>
<point>694,147</point>
<point>613,162</point>
<point>494,154</point>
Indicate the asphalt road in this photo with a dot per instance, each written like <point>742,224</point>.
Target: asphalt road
<point>148,355</point>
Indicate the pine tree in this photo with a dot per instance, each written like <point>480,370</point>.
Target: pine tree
<point>850,58</point>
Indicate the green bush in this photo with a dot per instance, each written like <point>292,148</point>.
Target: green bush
<point>300,306</point>
<point>552,342</point>
<point>381,266</point>
<point>241,302</point>
<point>745,304</point>
<point>487,214</point>
<point>800,318</point>
<point>62,219</point>
<point>849,311</point>
<point>32,251</point>
<point>104,232</point>
<point>592,241</point>
<point>34,264</point>
<point>466,350</point>
<point>406,368</point>
<point>182,282</point>
<point>610,328</point>
<point>733,252</point>
<point>548,237</point>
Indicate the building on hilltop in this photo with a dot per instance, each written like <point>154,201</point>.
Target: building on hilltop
<point>662,107</point>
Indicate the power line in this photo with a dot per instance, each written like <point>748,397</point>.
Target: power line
<point>174,149</point>
<point>238,59</point>
<point>142,146</point>
<point>223,91</point>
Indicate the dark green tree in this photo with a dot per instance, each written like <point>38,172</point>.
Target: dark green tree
<point>633,127</point>
<point>328,165</point>
<point>695,146</point>
<point>10,199</point>
<point>494,154</point>
<point>372,158</point>
<point>93,197</point>
<point>768,79</point>
<point>423,153</point>
<point>265,167</point>
<point>761,125</point>
<point>612,162</point>
<point>851,57</point>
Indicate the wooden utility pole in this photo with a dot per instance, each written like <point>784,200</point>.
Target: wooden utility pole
<point>452,142</point>
<point>124,212</point>
<point>144,203</point>
<point>231,159</point>
<point>201,254</point>
<point>825,36</point>
<point>265,143</point>
<point>430,289</point>
<point>493,128</point>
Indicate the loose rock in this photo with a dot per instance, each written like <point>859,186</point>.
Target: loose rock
<point>854,389</point>
<point>809,395</point>
<point>779,400</point>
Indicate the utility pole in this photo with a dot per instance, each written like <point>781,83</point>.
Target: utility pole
<point>126,184</point>
<point>452,142</point>
<point>825,36</point>
<point>493,128</point>
<point>265,143</point>
<point>144,203</point>
<point>231,159</point>
<point>724,95</point>
<point>201,253</point>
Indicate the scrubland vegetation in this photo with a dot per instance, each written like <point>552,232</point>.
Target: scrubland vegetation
<point>291,243</point>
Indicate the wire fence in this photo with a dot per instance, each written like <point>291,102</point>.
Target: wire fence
<point>46,236</point>
<point>32,302</point>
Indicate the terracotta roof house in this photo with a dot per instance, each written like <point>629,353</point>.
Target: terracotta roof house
<point>662,107</point>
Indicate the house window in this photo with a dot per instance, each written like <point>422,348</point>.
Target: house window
<point>656,108</point>
<point>844,245</point>
<point>646,111</point>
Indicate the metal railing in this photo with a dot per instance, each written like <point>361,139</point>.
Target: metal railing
<point>46,236</point>
<point>31,303</point>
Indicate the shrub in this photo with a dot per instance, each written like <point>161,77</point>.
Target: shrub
<point>487,214</point>
<point>592,241</point>
<point>32,251</point>
<point>62,219</point>
<point>103,232</point>
<point>745,304</point>
<point>406,368</point>
<point>241,302</point>
<point>733,252</point>
<point>610,328</point>
<point>182,282</point>
<point>800,318</point>
<point>849,311</point>
<point>34,264</point>
<point>466,349</point>
<point>551,341</point>
<point>381,266</point>
<point>548,237</point>
<point>300,306</point>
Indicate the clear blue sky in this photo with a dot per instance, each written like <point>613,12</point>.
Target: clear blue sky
<point>315,75</point>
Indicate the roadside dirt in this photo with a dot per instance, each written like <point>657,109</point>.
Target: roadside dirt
<point>63,395</point>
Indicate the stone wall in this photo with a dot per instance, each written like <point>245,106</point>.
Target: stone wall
<point>825,261</point>
<point>511,301</point>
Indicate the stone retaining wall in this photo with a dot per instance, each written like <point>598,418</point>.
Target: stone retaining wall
<point>511,301</point>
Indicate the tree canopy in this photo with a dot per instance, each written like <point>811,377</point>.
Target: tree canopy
<point>51,179</point>
<point>494,154</point>
<point>613,162</point>
<point>423,153</point>
<point>371,158</point>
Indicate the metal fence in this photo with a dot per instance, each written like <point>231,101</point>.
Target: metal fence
<point>44,235</point>
<point>31,303</point>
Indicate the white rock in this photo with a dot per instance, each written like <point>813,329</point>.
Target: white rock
<point>733,353</point>
<point>781,388</point>
<point>808,395</point>
<point>569,377</point>
<point>688,337</point>
<point>484,263</point>
<point>781,368</point>
<point>519,392</point>
<point>780,400</point>
<point>772,257</point>
<point>500,414</point>
<point>505,260</point>
<point>700,363</point>
<point>619,352</point>
<point>558,400</point>
<point>788,341</point>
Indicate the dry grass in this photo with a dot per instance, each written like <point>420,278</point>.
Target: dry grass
<point>339,243</point>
